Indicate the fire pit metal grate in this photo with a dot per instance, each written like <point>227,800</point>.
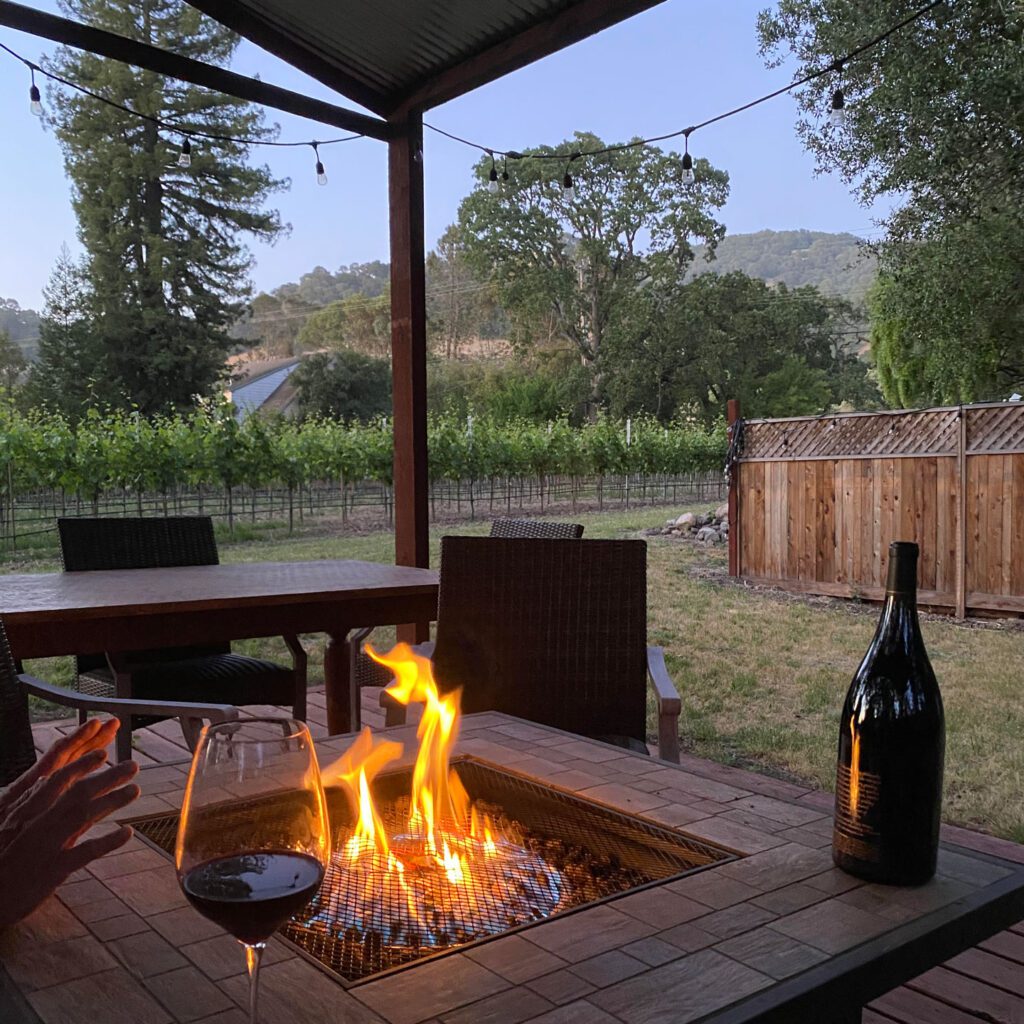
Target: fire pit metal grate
<point>574,853</point>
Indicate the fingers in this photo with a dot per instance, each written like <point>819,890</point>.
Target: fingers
<point>84,853</point>
<point>64,749</point>
<point>93,735</point>
<point>93,798</point>
<point>44,792</point>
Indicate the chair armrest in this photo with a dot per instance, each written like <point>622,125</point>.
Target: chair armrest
<point>669,705</point>
<point>121,706</point>
<point>664,689</point>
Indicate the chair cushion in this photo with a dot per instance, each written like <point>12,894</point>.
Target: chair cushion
<point>218,679</point>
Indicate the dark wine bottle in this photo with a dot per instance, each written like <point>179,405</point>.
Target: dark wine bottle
<point>892,740</point>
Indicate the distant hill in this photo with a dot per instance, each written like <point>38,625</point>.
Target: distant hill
<point>834,263</point>
<point>22,325</point>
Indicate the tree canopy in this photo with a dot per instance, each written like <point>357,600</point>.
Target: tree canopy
<point>574,263</point>
<point>781,351</point>
<point>935,116</point>
<point>347,386</point>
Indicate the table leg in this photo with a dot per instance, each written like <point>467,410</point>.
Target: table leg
<point>338,683</point>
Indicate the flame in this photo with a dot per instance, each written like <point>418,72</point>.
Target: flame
<point>427,883</point>
<point>355,770</point>
<point>438,797</point>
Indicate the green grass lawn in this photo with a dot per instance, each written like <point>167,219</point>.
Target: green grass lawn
<point>762,675</point>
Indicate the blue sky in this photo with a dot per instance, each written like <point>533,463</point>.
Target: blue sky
<point>677,64</point>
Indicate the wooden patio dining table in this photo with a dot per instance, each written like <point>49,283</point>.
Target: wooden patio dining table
<point>49,614</point>
<point>774,935</point>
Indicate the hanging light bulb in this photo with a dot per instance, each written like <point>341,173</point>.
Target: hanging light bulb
<point>568,188</point>
<point>321,173</point>
<point>837,114</point>
<point>492,178</point>
<point>504,170</point>
<point>688,176</point>
<point>185,156</point>
<point>35,100</point>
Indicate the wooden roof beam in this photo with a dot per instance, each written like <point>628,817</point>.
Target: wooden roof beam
<point>277,41</point>
<point>569,26</point>
<point>129,51</point>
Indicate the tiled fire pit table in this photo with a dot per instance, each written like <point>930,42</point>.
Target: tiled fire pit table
<point>773,934</point>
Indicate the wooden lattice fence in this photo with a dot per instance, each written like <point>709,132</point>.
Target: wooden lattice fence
<point>818,499</point>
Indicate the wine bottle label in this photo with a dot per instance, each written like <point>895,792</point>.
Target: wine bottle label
<point>856,799</point>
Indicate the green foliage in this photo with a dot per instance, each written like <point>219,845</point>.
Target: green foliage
<point>935,116</point>
<point>274,320</point>
<point>122,452</point>
<point>165,262</point>
<point>461,305</point>
<point>550,385</point>
<point>71,373</point>
<point>948,322</point>
<point>356,323</point>
<point>835,264</point>
<point>12,364</point>
<point>694,346</point>
<point>569,267</point>
<point>344,386</point>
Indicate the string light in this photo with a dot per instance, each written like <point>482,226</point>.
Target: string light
<point>568,186</point>
<point>185,156</point>
<point>837,114</point>
<point>688,176</point>
<point>321,174</point>
<point>34,99</point>
<point>492,178</point>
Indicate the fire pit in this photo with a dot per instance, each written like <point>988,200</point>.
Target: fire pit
<point>573,853</point>
<point>453,852</point>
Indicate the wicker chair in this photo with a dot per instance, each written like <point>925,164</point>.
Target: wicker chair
<point>189,673</point>
<point>365,672</point>
<point>17,752</point>
<point>555,633</point>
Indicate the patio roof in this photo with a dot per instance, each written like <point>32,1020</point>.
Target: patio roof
<point>392,55</point>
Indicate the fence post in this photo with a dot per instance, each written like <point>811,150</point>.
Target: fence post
<point>961,517</point>
<point>732,414</point>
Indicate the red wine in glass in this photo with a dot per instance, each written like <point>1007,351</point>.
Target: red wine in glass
<point>253,840</point>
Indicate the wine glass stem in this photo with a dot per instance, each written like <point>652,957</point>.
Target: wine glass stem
<point>253,956</point>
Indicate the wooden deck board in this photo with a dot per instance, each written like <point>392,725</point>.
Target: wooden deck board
<point>984,985</point>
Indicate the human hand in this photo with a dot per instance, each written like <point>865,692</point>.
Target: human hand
<point>39,835</point>
<point>93,735</point>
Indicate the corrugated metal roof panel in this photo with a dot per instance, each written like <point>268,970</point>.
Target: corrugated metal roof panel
<point>393,47</point>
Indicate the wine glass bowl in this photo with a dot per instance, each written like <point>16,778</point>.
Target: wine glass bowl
<point>253,838</point>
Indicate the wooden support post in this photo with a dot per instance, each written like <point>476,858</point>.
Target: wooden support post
<point>409,352</point>
<point>961,518</point>
<point>732,415</point>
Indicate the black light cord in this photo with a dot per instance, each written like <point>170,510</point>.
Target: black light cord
<point>506,154</point>
<point>169,126</point>
<point>833,68</point>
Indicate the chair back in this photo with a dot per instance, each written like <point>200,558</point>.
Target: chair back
<point>17,751</point>
<point>139,543</point>
<point>535,529</point>
<point>554,632</point>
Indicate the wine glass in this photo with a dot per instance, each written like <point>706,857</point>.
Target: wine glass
<point>253,839</point>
